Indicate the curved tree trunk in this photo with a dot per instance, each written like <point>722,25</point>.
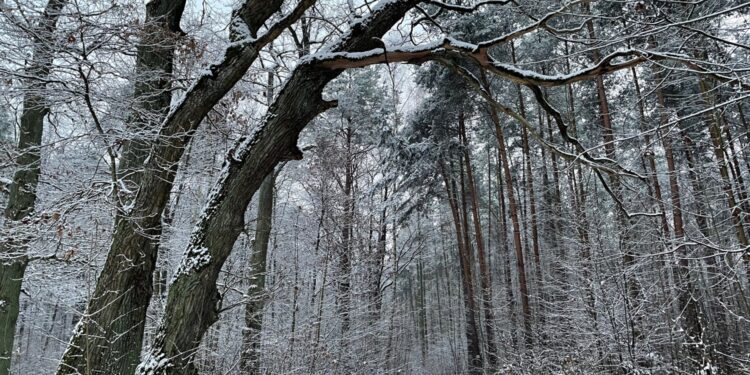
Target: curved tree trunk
<point>108,338</point>
<point>124,288</point>
<point>193,300</point>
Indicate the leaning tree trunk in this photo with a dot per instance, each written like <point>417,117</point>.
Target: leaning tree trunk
<point>23,189</point>
<point>109,336</point>
<point>193,300</point>
<point>117,308</point>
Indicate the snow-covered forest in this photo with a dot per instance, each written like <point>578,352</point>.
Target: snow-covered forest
<point>374,187</point>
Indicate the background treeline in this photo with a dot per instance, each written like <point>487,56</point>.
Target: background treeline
<point>444,219</point>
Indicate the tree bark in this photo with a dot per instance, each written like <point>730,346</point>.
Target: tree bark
<point>347,233</point>
<point>632,285</point>
<point>691,318</point>
<point>721,159</point>
<point>473,346</point>
<point>516,222</point>
<point>113,322</point>
<point>22,197</point>
<point>250,356</point>
<point>503,229</point>
<point>484,272</point>
<point>256,293</point>
<point>110,340</point>
<point>193,302</point>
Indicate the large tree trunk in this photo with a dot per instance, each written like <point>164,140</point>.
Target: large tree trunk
<point>113,323</point>
<point>108,338</point>
<point>193,301</point>
<point>22,198</point>
<point>152,94</point>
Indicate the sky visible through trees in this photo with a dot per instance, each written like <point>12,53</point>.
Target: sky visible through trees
<point>374,187</point>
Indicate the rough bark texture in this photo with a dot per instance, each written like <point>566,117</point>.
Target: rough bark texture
<point>108,338</point>
<point>193,301</point>
<point>153,80</point>
<point>22,195</point>
<point>131,260</point>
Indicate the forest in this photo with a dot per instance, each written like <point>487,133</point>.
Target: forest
<point>374,187</point>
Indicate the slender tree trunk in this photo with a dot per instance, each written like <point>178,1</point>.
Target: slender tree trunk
<point>529,182</point>
<point>552,224</point>
<point>250,356</point>
<point>484,272</point>
<point>319,314</point>
<point>516,222</point>
<point>721,159</point>
<point>686,294</point>
<point>472,331</point>
<point>503,229</point>
<point>717,304</point>
<point>582,225</point>
<point>295,304</point>
<point>650,158</point>
<point>375,299</point>
<point>256,293</point>
<point>347,229</point>
<point>422,311</point>
<point>389,357</point>
<point>21,200</point>
<point>632,285</point>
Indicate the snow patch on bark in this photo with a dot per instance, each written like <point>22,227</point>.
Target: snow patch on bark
<point>154,363</point>
<point>195,258</point>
